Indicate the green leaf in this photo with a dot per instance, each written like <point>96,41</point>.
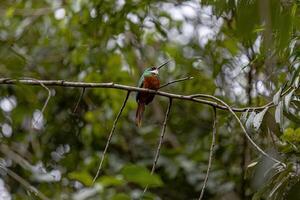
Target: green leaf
<point>279,114</point>
<point>259,118</point>
<point>297,131</point>
<point>111,181</point>
<point>292,117</point>
<point>141,175</point>
<point>296,82</point>
<point>121,196</point>
<point>231,46</point>
<point>83,177</point>
<point>287,100</point>
<point>10,12</point>
<point>291,135</point>
<point>244,116</point>
<point>276,97</point>
<point>295,75</point>
<point>249,121</point>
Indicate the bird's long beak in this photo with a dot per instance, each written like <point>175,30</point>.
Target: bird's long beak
<point>165,63</point>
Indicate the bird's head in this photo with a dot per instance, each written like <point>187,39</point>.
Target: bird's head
<point>151,71</point>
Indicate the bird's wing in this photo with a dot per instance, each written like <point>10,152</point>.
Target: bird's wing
<point>140,84</point>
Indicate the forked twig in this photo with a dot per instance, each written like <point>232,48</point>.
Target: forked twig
<point>162,134</point>
<point>110,136</point>
<point>211,152</point>
<point>48,97</point>
<point>23,182</point>
<point>79,99</point>
<point>177,80</point>
<point>47,100</point>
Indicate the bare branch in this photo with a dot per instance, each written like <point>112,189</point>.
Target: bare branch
<point>193,98</point>
<point>163,130</point>
<point>63,83</point>
<point>177,80</point>
<point>211,152</point>
<point>244,130</point>
<point>47,100</point>
<point>110,136</point>
<point>23,182</point>
<point>48,97</point>
<point>15,157</point>
<point>79,99</point>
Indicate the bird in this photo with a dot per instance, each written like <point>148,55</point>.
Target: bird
<point>149,80</point>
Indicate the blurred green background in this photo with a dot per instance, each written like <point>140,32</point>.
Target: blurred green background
<point>242,51</point>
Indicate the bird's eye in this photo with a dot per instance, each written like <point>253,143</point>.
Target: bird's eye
<point>153,68</point>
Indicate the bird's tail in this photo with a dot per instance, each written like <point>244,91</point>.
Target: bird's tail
<point>139,114</point>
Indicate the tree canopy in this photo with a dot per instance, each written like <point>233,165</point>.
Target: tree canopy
<point>235,121</point>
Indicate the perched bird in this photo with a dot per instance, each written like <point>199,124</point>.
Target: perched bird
<point>149,80</point>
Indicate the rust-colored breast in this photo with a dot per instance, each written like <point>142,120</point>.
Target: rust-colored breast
<point>151,82</point>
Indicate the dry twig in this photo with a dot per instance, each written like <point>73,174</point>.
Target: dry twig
<point>63,83</point>
<point>79,99</point>
<point>163,130</point>
<point>110,136</point>
<point>211,152</point>
<point>23,182</point>
<point>176,81</point>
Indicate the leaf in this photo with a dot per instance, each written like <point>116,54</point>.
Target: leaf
<point>279,114</point>
<point>249,121</point>
<point>292,117</point>
<point>296,101</point>
<point>111,181</point>
<point>250,170</point>
<point>278,185</point>
<point>291,135</point>
<point>252,164</point>
<point>10,12</point>
<point>121,196</point>
<point>276,97</point>
<point>259,118</point>
<point>231,45</point>
<point>83,177</point>
<point>287,100</point>
<point>288,134</point>
<point>141,175</point>
<point>295,75</point>
<point>296,82</point>
<point>244,116</point>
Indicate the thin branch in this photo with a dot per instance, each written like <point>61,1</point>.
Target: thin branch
<point>47,100</point>
<point>23,182</point>
<point>177,80</point>
<point>45,87</point>
<point>48,97</point>
<point>110,136</point>
<point>162,134</point>
<point>79,99</point>
<point>63,83</point>
<point>15,157</point>
<point>211,152</point>
<point>245,132</point>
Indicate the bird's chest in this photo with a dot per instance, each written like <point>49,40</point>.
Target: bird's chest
<point>151,82</point>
